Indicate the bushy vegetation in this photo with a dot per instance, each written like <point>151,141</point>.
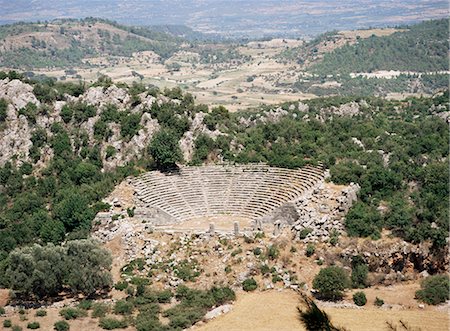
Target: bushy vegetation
<point>359,298</point>
<point>249,285</point>
<point>99,310</point>
<point>61,326</point>
<point>434,290</point>
<point>41,313</point>
<point>330,283</point>
<point>310,250</point>
<point>378,302</point>
<point>195,303</point>
<point>165,150</point>
<point>359,272</point>
<point>123,307</point>
<point>33,325</point>
<point>43,271</point>
<point>3,109</point>
<point>72,313</point>
<point>112,324</point>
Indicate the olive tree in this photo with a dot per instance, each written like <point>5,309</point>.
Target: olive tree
<point>330,283</point>
<point>81,266</point>
<point>89,266</point>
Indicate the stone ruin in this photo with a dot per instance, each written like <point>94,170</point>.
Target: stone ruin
<point>273,200</point>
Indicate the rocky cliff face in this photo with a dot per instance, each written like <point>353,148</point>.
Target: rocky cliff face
<point>388,260</point>
<point>187,142</point>
<point>16,131</point>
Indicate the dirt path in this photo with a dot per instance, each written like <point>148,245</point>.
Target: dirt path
<point>276,310</point>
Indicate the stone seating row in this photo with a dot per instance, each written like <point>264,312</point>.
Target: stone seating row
<point>250,191</point>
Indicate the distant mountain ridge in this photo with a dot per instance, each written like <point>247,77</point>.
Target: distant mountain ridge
<point>251,18</point>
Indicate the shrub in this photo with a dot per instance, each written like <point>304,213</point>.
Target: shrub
<point>16,328</point>
<point>130,212</point>
<point>72,313</point>
<point>61,326</point>
<point>264,268</point>
<point>85,304</point>
<point>110,151</point>
<point>123,307</point>
<point>304,233</point>
<point>236,252</point>
<point>99,310</point>
<point>2,311</point>
<point>222,295</point>
<point>434,290</point>
<point>334,239</point>
<point>273,252</point>
<point>164,296</point>
<point>257,251</point>
<point>7,323</point>
<point>33,325</point>
<point>260,235</point>
<point>112,323</point>
<point>378,302</point>
<point>276,279</point>
<point>359,276</point>
<point>120,286</point>
<point>330,282</point>
<point>363,221</point>
<point>249,284</point>
<point>359,298</point>
<point>41,313</point>
<point>310,250</point>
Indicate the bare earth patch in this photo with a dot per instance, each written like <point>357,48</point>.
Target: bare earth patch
<point>276,310</point>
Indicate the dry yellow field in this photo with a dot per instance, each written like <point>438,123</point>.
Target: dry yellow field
<point>276,310</point>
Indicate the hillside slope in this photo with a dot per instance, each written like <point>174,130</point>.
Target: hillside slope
<point>419,48</point>
<point>66,43</point>
<point>65,146</point>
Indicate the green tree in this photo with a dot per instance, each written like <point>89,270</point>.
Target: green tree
<point>434,290</point>
<point>74,211</point>
<point>89,266</point>
<point>330,282</point>
<point>52,231</point>
<point>37,270</point>
<point>359,272</point>
<point>66,113</point>
<point>130,125</point>
<point>363,221</point>
<point>165,150</point>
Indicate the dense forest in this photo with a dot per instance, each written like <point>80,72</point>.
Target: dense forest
<point>421,48</point>
<point>400,159</point>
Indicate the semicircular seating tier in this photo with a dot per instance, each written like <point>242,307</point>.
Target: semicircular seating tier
<point>247,191</point>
